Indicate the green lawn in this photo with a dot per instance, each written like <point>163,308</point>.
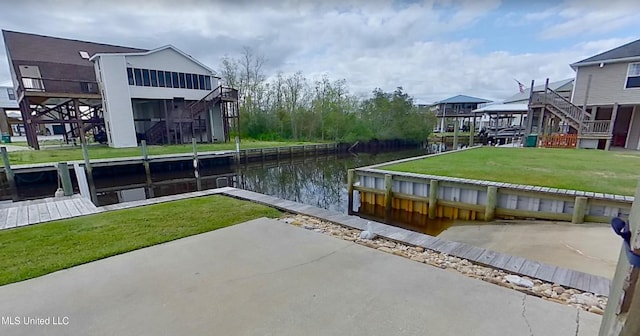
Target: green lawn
<point>104,152</point>
<point>580,169</point>
<point>33,251</point>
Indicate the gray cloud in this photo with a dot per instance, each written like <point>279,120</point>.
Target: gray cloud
<point>371,44</point>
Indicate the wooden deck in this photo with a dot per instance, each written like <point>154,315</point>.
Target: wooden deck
<point>517,265</point>
<point>43,210</point>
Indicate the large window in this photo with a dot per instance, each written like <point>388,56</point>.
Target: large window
<point>145,77</point>
<point>183,82</point>
<point>633,76</point>
<point>168,79</point>
<point>138,76</point>
<point>201,82</point>
<point>154,78</point>
<point>160,78</point>
<point>189,81</point>
<point>130,76</point>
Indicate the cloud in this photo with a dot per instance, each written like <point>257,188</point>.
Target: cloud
<point>595,17</point>
<point>380,43</point>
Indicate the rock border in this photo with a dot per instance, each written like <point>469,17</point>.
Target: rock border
<point>545,290</point>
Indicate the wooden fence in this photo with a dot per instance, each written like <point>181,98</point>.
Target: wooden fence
<point>558,141</point>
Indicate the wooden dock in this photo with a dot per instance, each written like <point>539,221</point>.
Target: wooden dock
<point>43,210</point>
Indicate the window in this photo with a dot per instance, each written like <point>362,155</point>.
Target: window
<point>154,78</point>
<point>633,76</point>
<point>167,79</point>
<point>201,82</point>
<point>175,77</point>
<point>196,83</point>
<point>11,94</point>
<point>160,78</point>
<point>84,54</point>
<point>138,76</point>
<point>189,81</point>
<point>207,83</point>
<point>183,83</point>
<point>145,77</point>
<point>130,76</point>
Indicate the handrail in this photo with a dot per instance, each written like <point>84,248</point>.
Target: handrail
<point>564,106</point>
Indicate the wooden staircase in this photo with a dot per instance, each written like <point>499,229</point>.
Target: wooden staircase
<point>227,99</point>
<point>571,114</point>
<point>156,134</point>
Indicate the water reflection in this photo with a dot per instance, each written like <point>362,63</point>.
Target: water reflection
<point>319,181</point>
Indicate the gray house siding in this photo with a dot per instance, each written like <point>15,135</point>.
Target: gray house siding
<point>607,85</point>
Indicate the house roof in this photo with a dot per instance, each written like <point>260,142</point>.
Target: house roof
<point>562,85</point>
<point>459,99</point>
<point>624,52</point>
<point>39,48</point>
<point>504,108</point>
<point>148,52</point>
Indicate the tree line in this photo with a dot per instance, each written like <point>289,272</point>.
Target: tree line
<point>292,107</point>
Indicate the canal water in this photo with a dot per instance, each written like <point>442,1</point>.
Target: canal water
<point>319,181</point>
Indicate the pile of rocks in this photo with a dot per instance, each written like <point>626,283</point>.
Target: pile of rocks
<point>548,291</point>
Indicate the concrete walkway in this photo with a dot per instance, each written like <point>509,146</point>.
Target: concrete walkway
<point>265,277</point>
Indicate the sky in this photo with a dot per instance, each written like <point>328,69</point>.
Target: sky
<point>433,49</point>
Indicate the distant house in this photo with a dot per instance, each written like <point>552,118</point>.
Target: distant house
<point>8,106</point>
<point>459,107</point>
<point>76,87</point>
<point>609,85</point>
<point>601,111</point>
<point>512,111</point>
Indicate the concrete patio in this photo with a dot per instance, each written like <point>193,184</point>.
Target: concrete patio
<point>265,277</point>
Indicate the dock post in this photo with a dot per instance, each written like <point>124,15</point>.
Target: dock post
<point>433,198</point>
<point>492,199</point>
<point>89,169</point>
<point>456,126</point>
<point>262,153</point>
<point>145,161</point>
<point>579,210</point>
<point>7,169</point>
<point>388,198</point>
<point>350,177</point>
<point>196,171</point>
<point>278,153</point>
<point>65,178</point>
<point>473,131</point>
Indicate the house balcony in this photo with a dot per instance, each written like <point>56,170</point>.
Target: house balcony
<point>41,90</point>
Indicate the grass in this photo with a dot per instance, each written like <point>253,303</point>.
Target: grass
<point>105,152</point>
<point>580,169</point>
<point>33,251</point>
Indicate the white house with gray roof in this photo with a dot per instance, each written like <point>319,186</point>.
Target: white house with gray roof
<point>608,84</point>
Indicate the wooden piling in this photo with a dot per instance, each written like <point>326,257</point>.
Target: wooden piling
<point>492,199</point>
<point>456,126</point>
<point>579,210</point>
<point>7,168</point>
<point>89,169</point>
<point>65,178</point>
<point>145,161</point>
<point>350,177</point>
<point>388,197</point>
<point>433,198</point>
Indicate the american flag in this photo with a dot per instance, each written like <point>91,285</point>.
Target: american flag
<point>520,85</point>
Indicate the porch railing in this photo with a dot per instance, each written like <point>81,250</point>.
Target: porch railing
<point>596,127</point>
